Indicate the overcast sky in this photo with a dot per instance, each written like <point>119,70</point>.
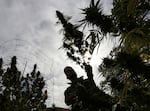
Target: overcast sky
<point>28,30</point>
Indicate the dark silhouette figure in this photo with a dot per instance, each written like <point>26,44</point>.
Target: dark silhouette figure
<point>83,94</point>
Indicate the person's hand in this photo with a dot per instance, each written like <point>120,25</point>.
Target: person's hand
<point>88,68</point>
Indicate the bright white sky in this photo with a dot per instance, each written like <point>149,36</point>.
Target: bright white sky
<point>28,30</point>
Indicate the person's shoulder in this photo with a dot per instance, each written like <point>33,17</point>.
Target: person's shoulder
<point>68,90</point>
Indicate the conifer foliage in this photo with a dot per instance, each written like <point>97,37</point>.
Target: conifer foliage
<point>19,92</point>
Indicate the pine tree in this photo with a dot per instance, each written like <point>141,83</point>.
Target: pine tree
<point>21,93</point>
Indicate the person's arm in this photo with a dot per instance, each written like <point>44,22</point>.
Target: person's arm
<point>89,72</point>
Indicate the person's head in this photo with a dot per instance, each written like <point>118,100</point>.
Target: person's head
<point>70,73</point>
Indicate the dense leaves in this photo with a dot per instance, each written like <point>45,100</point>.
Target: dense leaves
<point>94,16</point>
<point>129,21</point>
<point>127,68</point>
<point>128,77</point>
<point>74,42</point>
<point>21,93</point>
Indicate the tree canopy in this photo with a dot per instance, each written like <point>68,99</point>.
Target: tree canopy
<point>19,92</point>
<point>127,67</point>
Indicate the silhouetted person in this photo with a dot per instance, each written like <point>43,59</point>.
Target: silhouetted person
<point>71,97</point>
<point>82,94</point>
